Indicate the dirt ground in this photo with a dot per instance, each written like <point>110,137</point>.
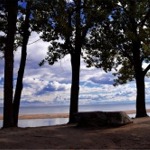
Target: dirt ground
<point>132,136</point>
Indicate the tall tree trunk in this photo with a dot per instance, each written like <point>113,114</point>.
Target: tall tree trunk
<point>139,77</point>
<point>140,98</point>
<point>75,63</point>
<point>11,6</point>
<point>19,84</point>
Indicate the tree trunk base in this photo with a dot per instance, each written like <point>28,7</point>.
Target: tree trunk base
<point>141,115</point>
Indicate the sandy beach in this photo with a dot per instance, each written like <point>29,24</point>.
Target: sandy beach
<point>131,136</point>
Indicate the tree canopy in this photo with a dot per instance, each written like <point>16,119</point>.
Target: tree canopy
<point>122,43</point>
<point>66,25</point>
<point>3,25</point>
<point>113,40</point>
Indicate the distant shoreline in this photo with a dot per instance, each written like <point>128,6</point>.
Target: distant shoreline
<point>41,116</point>
<point>55,115</point>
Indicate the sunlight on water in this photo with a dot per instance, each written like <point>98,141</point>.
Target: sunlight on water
<point>40,122</point>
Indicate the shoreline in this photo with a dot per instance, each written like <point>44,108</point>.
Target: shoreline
<point>55,115</point>
<point>41,116</point>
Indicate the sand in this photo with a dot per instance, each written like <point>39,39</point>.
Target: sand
<point>132,136</point>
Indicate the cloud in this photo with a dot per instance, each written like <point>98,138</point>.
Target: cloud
<point>103,79</point>
<point>50,85</point>
<point>106,93</point>
<point>53,87</point>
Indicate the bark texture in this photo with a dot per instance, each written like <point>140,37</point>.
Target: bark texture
<point>75,64</point>
<point>19,84</point>
<point>11,7</point>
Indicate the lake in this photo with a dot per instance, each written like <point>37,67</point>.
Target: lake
<point>65,109</point>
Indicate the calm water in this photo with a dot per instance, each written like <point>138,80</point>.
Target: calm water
<point>64,109</point>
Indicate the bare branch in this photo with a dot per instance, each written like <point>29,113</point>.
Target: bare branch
<point>34,41</point>
<point>146,69</point>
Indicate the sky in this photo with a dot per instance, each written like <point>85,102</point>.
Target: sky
<point>50,85</point>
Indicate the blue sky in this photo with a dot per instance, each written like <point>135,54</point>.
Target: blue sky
<point>50,85</point>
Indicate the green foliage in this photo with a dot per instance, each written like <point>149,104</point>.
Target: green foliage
<point>123,40</point>
<point>124,74</point>
<point>20,24</point>
<point>3,25</point>
<point>57,23</point>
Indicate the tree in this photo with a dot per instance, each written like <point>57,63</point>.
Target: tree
<point>21,37</point>
<point>124,40</point>
<point>11,9</point>
<point>3,24</point>
<point>25,33</point>
<point>66,26</point>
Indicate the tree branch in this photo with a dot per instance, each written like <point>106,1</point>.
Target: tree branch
<point>145,18</point>
<point>128,56</point>
<point>146,69</point>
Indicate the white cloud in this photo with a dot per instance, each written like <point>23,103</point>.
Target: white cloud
<point>51,84</point>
